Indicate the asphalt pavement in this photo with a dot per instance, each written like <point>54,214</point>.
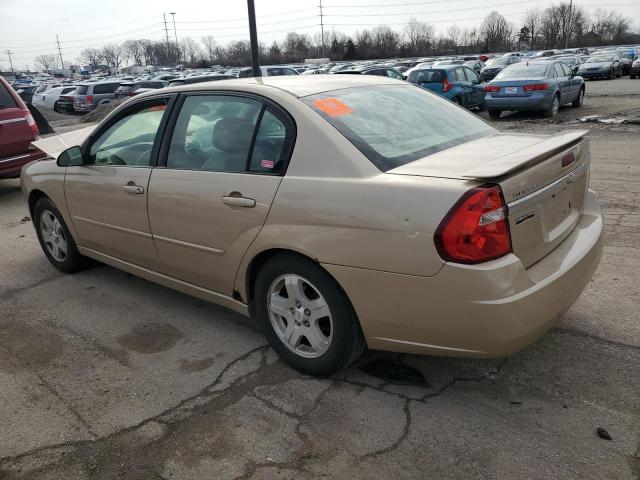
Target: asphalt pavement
<point>104,375</point>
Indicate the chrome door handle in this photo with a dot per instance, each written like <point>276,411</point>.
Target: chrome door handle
<point>133,189</point>
<point>239,202</point>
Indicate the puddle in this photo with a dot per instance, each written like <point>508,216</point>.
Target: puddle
<point>150,338</point>
<point>396,373</point>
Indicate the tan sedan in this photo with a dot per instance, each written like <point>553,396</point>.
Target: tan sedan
<point>343,212</point>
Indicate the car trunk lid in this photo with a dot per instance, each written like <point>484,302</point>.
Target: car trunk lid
<point>543,180</point>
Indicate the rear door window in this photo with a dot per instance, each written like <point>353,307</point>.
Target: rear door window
<point>6,99</point>
<point>68,90</point>
<point>558,69</point>
<point>458,74</point>
<point>426,76</point>
<point>471,75</point>
<point>105,88</point>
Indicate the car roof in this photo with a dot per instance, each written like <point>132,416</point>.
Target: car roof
<point>296,85</point>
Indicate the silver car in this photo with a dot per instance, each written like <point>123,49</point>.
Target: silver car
<point>90,95</point>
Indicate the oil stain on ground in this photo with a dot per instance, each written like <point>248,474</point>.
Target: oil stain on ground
<point>150,338</point>
<point>24,347</point>
<point>191,366</point>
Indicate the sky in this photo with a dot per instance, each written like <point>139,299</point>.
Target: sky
<point>29,28</point>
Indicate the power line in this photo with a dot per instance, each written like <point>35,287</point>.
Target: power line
<point>520,2</point>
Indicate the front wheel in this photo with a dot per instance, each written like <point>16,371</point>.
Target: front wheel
<point>55,239</point>
<point>307,318</point>
<point>579,99</point>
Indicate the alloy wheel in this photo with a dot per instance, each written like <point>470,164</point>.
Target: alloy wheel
<point>53,236</point>
<point>300,315</point>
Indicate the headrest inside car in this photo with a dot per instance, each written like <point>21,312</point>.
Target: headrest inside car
<point>231,134</point>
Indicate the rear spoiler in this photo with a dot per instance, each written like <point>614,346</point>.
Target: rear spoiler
<point>527,156</point>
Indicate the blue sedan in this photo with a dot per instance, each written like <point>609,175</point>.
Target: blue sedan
<point>539,85</point>
<point>458,83</point>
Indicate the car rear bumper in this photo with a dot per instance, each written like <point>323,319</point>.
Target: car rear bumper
<point>87,107</point>
<point>537,101</point>
<point>10,167</point>
<point>488,310</point>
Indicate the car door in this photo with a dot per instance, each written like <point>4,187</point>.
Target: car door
<point>574,82</point>
<point>221,168</point>
<point>15,130</point>
<point>476,94</point>
<point>564,84</point>
<point>464,86</point>
<point>107,196</point>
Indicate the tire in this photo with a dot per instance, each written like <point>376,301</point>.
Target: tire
<point>495,114</point>
<point>65,257</point>
<point>611,75</point>
<point>482,107</point>
<point>56,108</point>
<point>553,108</point>
<point>577,103</point>
<point>632,76</point>
<point>457,101</point>
<point>338,336</point>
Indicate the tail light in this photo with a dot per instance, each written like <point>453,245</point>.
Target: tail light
<point>32,124</point>
<point>476,229</point>
<point>535,86</point>
<point>446,86</point>
<point>491,88</point>
<point>89,98</point>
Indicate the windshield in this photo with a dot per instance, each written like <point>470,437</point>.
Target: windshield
<point>624,54</point>
<point>496,62</point>
<point>393,125</point>
<point>600,59</point>
<point>524,70</point>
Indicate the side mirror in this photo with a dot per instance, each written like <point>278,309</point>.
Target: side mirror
<point>71,157</point>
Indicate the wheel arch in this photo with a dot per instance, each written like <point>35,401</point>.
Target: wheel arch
<point>34,196</point>
<point>261,258</point>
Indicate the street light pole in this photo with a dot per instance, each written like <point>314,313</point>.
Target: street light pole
<point>253,35</point>
<point>175,32</point>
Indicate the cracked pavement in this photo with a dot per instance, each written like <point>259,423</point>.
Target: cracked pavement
<point>104,375</point>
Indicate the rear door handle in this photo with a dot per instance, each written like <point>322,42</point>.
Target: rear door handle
<point>239,202</point>
<point>133,189</point>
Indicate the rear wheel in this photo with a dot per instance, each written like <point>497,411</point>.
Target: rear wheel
<point>552,111</point>
<point>579,99</point>
<point>495,113</point>
<point>307,318</point>
<point>55,239</point>
<point>611,74</point>
<point>56,107</point>
<point>632,76</point>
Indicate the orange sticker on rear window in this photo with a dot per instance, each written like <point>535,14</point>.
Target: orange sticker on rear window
<point>332,107</point>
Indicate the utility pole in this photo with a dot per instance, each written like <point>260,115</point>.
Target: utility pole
<point>253,35</point>
<point>568,27</point>
<point>322,27</point>
<point>60,52</point>
<point>166,31</point>
<point>175,32</point>
<point>9,52</point>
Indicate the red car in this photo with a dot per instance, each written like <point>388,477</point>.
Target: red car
<point>17,130</point>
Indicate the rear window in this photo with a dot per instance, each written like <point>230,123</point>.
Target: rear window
<point>426,76</point>
<point>105,88</point>
<point>82,89</point>
<point>393,125</point>
<point>271,72</point>
<point>6,99</point>
<point>524,70</point>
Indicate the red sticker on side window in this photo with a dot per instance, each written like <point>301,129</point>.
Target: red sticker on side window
<point>267,163</point>
<point>332,107</point>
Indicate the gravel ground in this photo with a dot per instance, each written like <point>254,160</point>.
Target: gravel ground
<point>104,375</point>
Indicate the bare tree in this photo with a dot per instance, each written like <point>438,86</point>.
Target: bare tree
<point>419,36</point>
<point>113,54</point>
<point>209,44</point>
<point>532,19</point>
<point>497,33</point>
<point>385,41</point>
<point>454,34</point>
<point>91,56</point>
<point>191,50</point>
<point>46,61</point>
<point>135,50</point>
